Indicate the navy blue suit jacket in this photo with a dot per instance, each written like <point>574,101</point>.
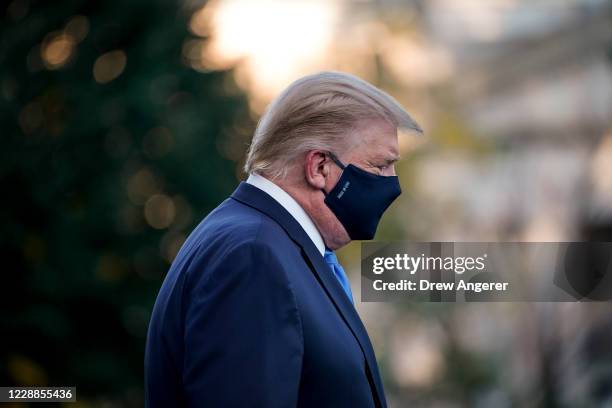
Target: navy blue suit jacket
<point>250,315</point>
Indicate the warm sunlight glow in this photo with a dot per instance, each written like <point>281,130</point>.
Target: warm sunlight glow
<point>275,40</point>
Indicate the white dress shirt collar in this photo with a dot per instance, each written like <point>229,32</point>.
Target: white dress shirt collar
<point>291,206</point>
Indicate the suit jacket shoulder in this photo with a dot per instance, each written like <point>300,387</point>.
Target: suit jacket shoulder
<point>227,284</point>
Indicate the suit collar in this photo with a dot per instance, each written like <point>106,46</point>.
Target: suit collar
<point>291,205</point>
<point>256,198</point>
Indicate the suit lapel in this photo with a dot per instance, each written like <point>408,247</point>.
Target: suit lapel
<point>256,198</point>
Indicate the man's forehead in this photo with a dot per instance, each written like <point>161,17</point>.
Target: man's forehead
<point>386,146</point>
<point>391,154</point>
<point>378,151</point>
<point>375,137</point>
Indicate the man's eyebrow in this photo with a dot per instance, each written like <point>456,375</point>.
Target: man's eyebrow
<point>387,159</point>
<point>392,159</point>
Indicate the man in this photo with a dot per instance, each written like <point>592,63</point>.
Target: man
<point>256,311</point>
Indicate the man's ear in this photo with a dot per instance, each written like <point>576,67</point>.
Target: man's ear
<point>316,168</point>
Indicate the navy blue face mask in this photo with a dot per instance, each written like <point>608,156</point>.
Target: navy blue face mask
<point>360,198</point>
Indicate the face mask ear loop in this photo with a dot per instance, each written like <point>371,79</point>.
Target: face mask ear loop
<point>338,163</point>
<point>336,160</point>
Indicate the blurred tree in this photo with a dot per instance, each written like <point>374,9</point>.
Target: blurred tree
<point>110,157</point>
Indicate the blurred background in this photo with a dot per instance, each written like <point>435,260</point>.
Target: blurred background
<point>125,123</point>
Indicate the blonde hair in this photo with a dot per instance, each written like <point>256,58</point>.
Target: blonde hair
<point>316,112</point>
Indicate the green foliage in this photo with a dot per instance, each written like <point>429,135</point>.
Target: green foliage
<point>101,181</point>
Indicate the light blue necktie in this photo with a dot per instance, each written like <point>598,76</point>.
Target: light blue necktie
<point>332,261</point>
